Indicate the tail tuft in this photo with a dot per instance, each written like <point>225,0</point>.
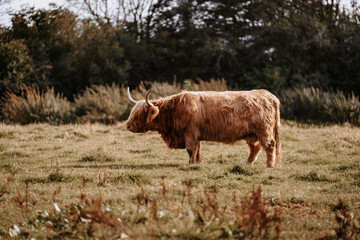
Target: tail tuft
<point>277,134</point>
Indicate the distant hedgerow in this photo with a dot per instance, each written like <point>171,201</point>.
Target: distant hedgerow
<point>109,104</point>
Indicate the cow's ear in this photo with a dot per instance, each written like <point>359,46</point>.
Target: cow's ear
<point>152,114</point>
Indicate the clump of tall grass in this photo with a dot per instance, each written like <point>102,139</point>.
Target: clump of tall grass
<point>201,85</point>
<point>109,104</point>
<point>86,219</point>
<point>105,104</point>
<point>163,89</point>
<point>158,89</point>
<point>311,104</point>
<point>35,106</point>
<point>347,225</point>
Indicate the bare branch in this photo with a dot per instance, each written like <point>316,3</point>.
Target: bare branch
<point>140,13</point>
<point>5,1</point>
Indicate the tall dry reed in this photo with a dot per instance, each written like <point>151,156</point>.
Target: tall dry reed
<point>35,106</point>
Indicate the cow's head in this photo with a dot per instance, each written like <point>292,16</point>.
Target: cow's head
<point>142,115</point>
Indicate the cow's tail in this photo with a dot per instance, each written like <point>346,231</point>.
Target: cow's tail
<point>277,134</point>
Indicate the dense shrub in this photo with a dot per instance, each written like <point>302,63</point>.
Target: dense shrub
<point>109,104</point>
<point>159,89</point>
<point>15,65</point>
<point>34,106</point>
<point>104,104</point>
<point>310,104</point>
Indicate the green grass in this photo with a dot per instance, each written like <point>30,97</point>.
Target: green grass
<point>108,173</point>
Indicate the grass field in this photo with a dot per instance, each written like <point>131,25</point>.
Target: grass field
<point>77,181</point>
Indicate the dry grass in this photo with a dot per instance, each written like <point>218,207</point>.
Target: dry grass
<point>112,183</point>
<point>105,104</point>
<point>310,104</point>
<point>109,104</point>
<point>35,106</point>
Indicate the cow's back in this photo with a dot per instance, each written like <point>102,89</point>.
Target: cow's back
<point>229,116</point>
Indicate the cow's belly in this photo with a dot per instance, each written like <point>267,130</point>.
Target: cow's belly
<point>174,140</point>
<point>227,133</point>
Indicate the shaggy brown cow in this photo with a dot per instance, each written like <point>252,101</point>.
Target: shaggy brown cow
<point>185,119</point>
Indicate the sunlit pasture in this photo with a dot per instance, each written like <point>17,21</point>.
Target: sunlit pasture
<point>92,180</point>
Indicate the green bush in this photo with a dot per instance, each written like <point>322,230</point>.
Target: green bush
<point>35,106</point>
<point>16,65</point>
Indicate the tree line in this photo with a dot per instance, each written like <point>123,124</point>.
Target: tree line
<point>271,44</point>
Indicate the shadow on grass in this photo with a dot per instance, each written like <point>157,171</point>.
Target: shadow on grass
<point>126,166</point>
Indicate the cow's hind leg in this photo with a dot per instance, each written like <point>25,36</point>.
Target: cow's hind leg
<point>268,143</point>
<point>255,147</point>
<point>193,148</point>
<point>198,157</point>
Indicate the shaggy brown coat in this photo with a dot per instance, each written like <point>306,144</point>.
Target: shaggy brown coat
<point>185,119</point>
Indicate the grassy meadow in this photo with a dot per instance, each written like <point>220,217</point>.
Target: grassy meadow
<point>103,182</point>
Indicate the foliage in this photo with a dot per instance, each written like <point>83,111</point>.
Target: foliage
<point>267,78</point>
<point>67,53</point>
<point>81,220</point>
<point>347,225</point>
<point>157,90</point>
<point>268,44</point>
<point>15,66</point>
<point>109,104</point>
<point>98,103</point>
<point>34,106</point>
<point>248,218</point>
<point>99,58</point>
<point>201,85</point>
<point>313,104</point>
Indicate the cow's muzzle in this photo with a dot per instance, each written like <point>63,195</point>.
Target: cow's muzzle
<point>128,127</point>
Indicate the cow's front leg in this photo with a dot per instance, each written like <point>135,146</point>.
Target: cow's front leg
<point>193,148</point>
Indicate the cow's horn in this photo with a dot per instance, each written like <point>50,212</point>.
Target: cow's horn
<point>129,97</point>
<point>148,103</point>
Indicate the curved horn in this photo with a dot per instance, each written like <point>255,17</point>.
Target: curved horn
<point>129,97</point>
<point>148,103</point>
